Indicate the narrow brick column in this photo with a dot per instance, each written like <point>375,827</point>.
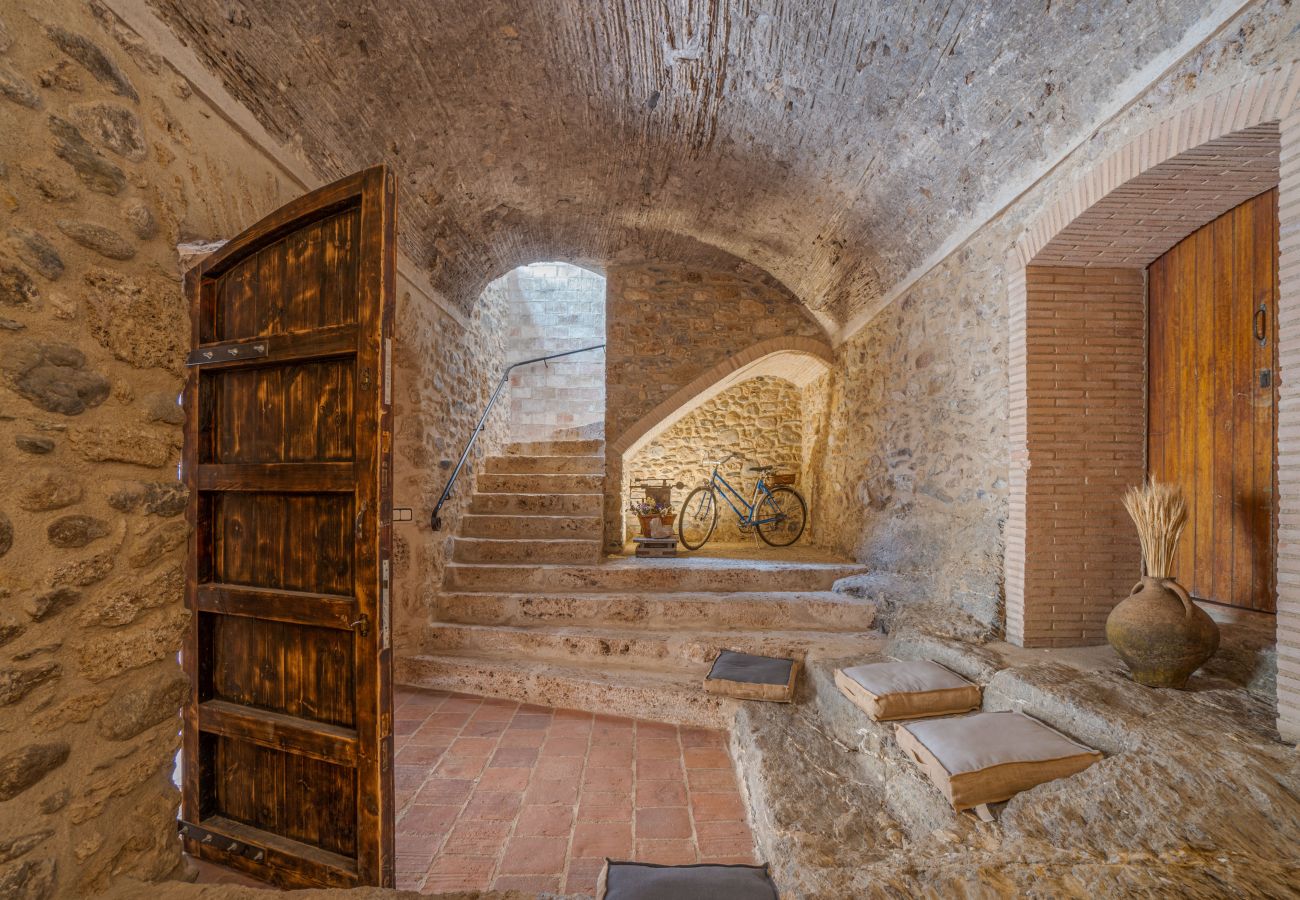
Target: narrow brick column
<point>1078,440</point>
<point>1288,437</point>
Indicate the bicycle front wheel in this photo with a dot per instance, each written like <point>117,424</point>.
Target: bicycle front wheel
<point>698,518</point>
<point>788,514</point>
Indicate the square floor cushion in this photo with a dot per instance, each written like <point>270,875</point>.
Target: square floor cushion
<point>988,757</point>
<point>647,881</point>
<point>751,677</point>
<point>909,689</point>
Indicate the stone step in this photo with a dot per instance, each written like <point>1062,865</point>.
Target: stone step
<point>531,550</point>
<point>661,696</point>
<point>546,465</point>
<point>556,448</point>
<point>527,526</point>
<point>533,504</point>
<point>749,610</point>
<point>647,576</point>
<point>498,483</point>
<point>689,650</point>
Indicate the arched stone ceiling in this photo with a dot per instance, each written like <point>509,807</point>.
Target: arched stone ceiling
<point>832,144</point>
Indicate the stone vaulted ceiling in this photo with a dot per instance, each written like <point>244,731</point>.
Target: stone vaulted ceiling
<point>834,145</point>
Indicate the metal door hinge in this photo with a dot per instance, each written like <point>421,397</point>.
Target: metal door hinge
<point>222,353</point>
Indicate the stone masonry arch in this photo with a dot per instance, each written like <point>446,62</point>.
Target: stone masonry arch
<point>800,360</point>
<point>1077,318</point>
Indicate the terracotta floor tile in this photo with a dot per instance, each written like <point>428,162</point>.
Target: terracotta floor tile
<point>663,822</point>
<point>539,883</point>
<point>660,793</point>
<point>544,821</point>
<point>659,769</point>
<point>548,791</point>
<point>564,747</point>
<point>583,875</point>
<point>427,820</point>
<point>604,779</point>
<point>604,807</point>
<point>717,807</point>
<point>706,758</point>
<point>601,839</point>
<point>483,837</point>
<point>666,852</point>
<point>711,779</point>
<point>534,856</point>
<point>523,738</point>
<point>513,757</point>
<point>505,779</point>
<point>492,805</point>
<point>657,749</point>
<point>444,791</point>
<point>511,796</point>
<point>560,767</point>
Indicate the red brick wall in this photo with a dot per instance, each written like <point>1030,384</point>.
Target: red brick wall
<point>1078,438</point>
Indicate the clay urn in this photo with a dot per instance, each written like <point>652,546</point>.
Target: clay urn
<point>1162,636</point>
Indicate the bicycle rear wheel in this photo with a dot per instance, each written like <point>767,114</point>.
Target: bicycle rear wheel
<point>698,518</point>
<point>789,514</point>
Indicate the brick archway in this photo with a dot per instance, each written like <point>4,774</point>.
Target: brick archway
<point>1077,312</point>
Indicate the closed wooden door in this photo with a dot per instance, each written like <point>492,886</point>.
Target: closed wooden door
<point>288,732</point>
<point>1213,377</point>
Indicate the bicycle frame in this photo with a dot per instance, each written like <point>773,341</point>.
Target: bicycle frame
<point>719,482</point>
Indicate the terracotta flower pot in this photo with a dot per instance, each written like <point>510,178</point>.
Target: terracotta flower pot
<point>1162,636</point>
<point>645,522</point>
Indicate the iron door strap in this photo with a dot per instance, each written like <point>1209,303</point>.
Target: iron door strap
<point>224,353</point>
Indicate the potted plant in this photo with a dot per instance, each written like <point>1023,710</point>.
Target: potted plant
<point>648,510</point>
<point>1162,636</point>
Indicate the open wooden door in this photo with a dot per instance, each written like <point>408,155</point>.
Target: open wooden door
<point>288,731</point>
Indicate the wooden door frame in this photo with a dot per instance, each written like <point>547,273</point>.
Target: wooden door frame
<point>374,192</point>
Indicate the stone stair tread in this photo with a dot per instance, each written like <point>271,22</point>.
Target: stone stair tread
<point>720,636</point>
<point>665,696</point>
<point>535,494</point>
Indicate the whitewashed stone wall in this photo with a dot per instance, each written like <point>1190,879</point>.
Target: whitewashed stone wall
<point>761,419</point>
<point>554,307</point>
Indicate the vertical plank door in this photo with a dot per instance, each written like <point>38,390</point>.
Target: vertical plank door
<point>1212,302</point>
<point>288,731</point>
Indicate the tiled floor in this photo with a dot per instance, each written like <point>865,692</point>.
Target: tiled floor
<point>492,794</point>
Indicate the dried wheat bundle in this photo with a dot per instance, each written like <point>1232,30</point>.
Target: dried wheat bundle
<point>1159,511</point>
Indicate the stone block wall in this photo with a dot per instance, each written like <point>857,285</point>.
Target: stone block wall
<point>107,161</point>
<point>443,375</point>
<point>665,326</point>
<point>554,307</point>
<point>761,419</point>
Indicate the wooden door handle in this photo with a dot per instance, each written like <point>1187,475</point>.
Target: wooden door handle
<point>1261,324</point>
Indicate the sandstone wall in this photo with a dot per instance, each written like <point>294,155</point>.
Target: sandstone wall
<point>666,326</point>
<point>443,377</point>
<point>106,161</point>
<point>555,307</point>
<point>914,475</point>
<point>761,419</point>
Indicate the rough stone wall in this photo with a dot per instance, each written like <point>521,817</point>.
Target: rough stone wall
<point>443,376</point>
<point>107,161</point>
<point>665,326</point>
<point>555,307</point>
<point>761,419</point>
<point>914,476</point>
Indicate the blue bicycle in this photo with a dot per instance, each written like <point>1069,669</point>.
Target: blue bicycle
<point>778,513</point>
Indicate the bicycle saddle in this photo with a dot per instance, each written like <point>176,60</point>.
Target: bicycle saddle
<point>761,468</point>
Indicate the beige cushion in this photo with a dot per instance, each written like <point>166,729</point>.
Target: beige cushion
<point>990,756</point>
<point>910,689</point>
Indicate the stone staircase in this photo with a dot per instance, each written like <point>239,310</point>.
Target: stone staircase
<point>529,609</point>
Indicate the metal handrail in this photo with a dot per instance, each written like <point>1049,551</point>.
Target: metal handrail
<point>435,520</point>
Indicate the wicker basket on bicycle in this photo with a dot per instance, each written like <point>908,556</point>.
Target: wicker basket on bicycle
<point>783,478</point>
